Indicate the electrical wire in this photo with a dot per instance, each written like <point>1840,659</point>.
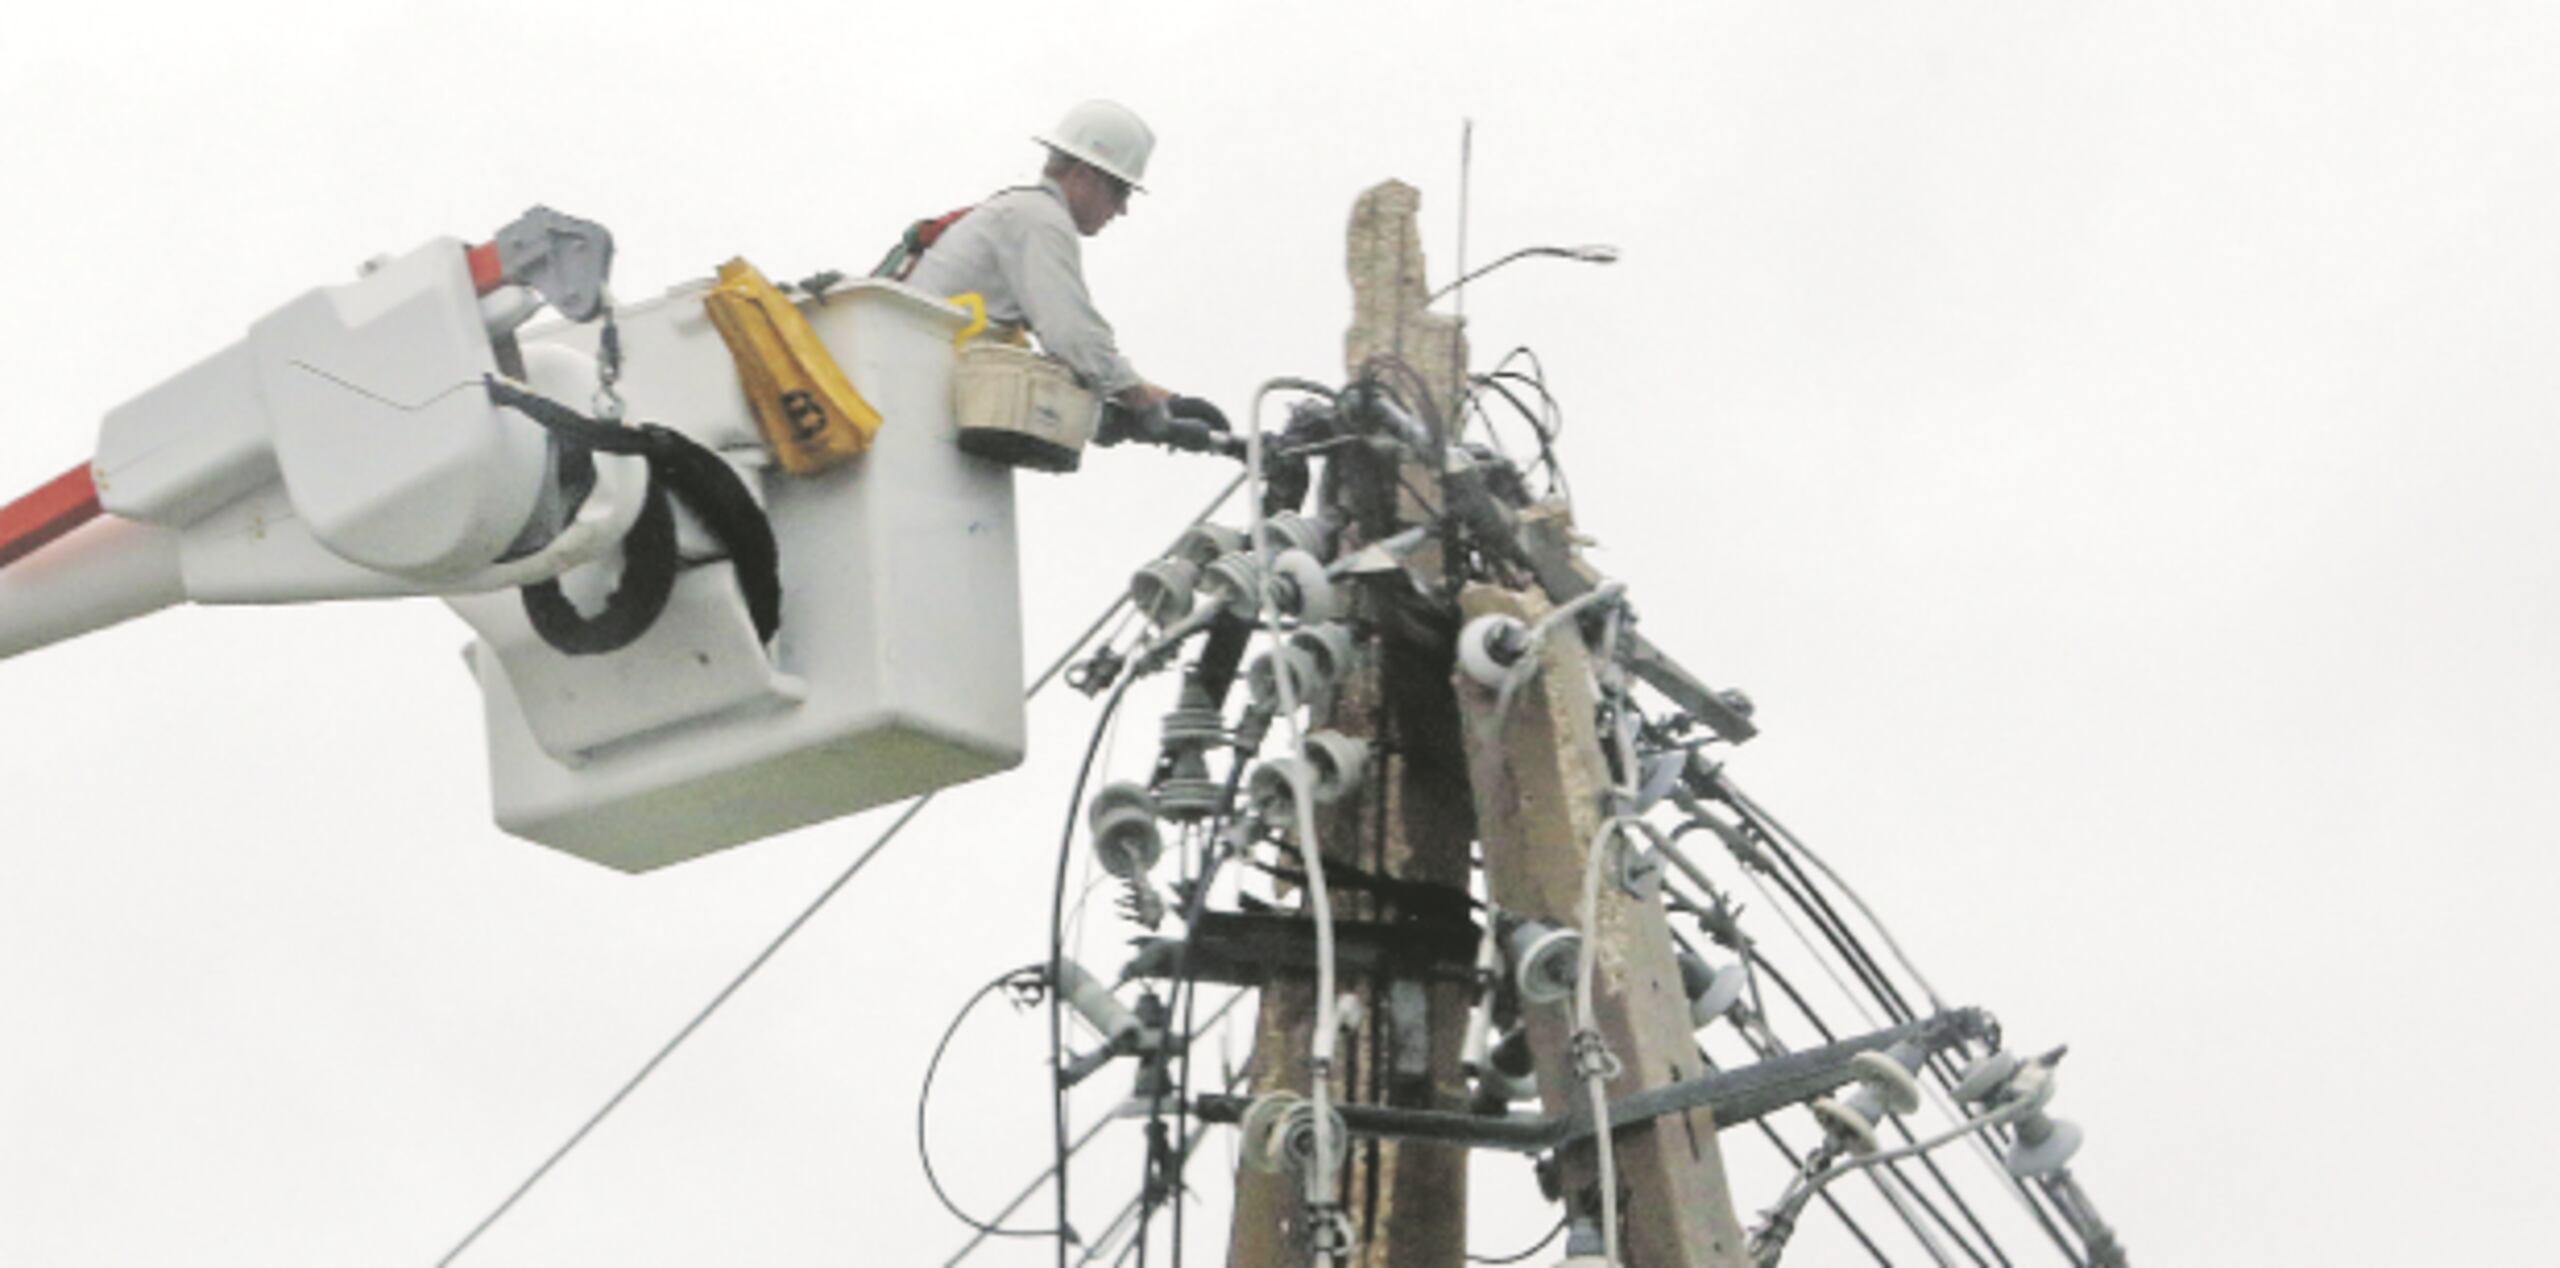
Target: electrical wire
<point>1090,1133</point>
<point>1517,1256</point>
<point>1753,960</point>
<point>1212,860</point>
<point>1795,1201</point>
<point>1814,1019</point>
<point>1010,979</point>
<point>685,1032</point>
<point>1065,1231</point>
<point>1845,943</point>
<point>1773,1046</point>
<point>1322,1174</point>
<point>1778,843</point>
<point>1796,1161</point>
<point>1747,806</point>
<point>1586,1019</point>
<point>788,930</point>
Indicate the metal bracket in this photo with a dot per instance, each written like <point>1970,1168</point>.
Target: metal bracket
<point>1253,949</point>
<point>1733,1096</point>
<point>1563,577</point>
<point>564,258</point>
<point>1639,871</point>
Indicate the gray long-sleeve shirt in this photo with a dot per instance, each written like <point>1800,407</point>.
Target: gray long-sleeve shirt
<point>1020,251</point>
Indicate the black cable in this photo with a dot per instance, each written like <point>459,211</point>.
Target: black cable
<point>685,1032</point>
<point>1546,448</point>
<point>1822,911</point>
<point>1761,964</point>
<point>1517,1256</point>
<point>1777,841</point>
<point>1896,1012</point>
<point>1065,1232</point>
<point>1057,927</point>
<point>1213,858</point>
<point>1921,1198</point>
<point>1095,1131</point>
<point>1947,1185</point>
<point>1773,836</point>
<point>1010,979</point>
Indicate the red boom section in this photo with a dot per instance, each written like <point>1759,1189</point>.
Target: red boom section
<point>64,503</point>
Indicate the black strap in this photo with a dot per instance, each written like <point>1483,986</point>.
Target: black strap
<point>706,484</point>
<point>1424,901</point>
<point>648,578</point>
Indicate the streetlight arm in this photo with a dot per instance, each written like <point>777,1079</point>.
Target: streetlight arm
<point>1594,253</point>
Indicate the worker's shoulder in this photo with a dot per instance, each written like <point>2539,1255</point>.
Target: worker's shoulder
<point>1026,206</point>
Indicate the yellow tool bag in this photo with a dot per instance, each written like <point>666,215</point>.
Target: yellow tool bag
<point>809,413</point>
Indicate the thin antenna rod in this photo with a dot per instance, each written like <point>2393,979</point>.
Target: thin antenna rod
<point>1466,179</point>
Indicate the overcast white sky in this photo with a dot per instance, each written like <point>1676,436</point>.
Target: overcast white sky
<point>2113,444</point>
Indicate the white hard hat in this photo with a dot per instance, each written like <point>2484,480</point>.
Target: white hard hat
<point>1107,135</point>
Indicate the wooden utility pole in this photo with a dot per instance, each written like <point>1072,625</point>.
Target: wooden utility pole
<point>1445,771</point>
<point>1409,825</point>
<point>1540,784</point>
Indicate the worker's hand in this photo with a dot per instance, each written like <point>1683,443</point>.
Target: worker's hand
<point>1143,398</point>
<point>1205,413</point>
<point>1135,412</point>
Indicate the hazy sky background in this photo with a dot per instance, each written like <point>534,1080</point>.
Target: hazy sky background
<point>2112,444</point>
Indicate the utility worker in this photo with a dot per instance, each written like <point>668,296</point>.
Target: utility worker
<point>1018,251</point>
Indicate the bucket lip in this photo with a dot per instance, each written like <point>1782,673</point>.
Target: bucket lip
<point>859,289</point>
<point>853,290</point>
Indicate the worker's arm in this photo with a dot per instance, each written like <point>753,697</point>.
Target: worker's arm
<point>1048,280</point>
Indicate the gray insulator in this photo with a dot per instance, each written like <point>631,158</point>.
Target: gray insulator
<point>1195,728</point>
<point>1261,676</point>
<point>1203,544</point>
<point>1163,591</point>
<point>1294,1137</point>
<point>1545,961</point>
<point>1261,1121</point>
<point>1235,579</point>
<point>1712,991</point>
<point>1489,646</point>
<point>1985,1077</point>
<point>1119,795</point>
<point>1272,789</point>
<point>1338,761</point>
<point>2045,1146</point>
<point>1289,530</point>
<point>1190,800</point>
<point>1883,1085</point>
<point>1301,589</point>
<point>1511,1056</point>
<point>1330,649</point>
<point>1127,843</point>
<point>1854,1131</point>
